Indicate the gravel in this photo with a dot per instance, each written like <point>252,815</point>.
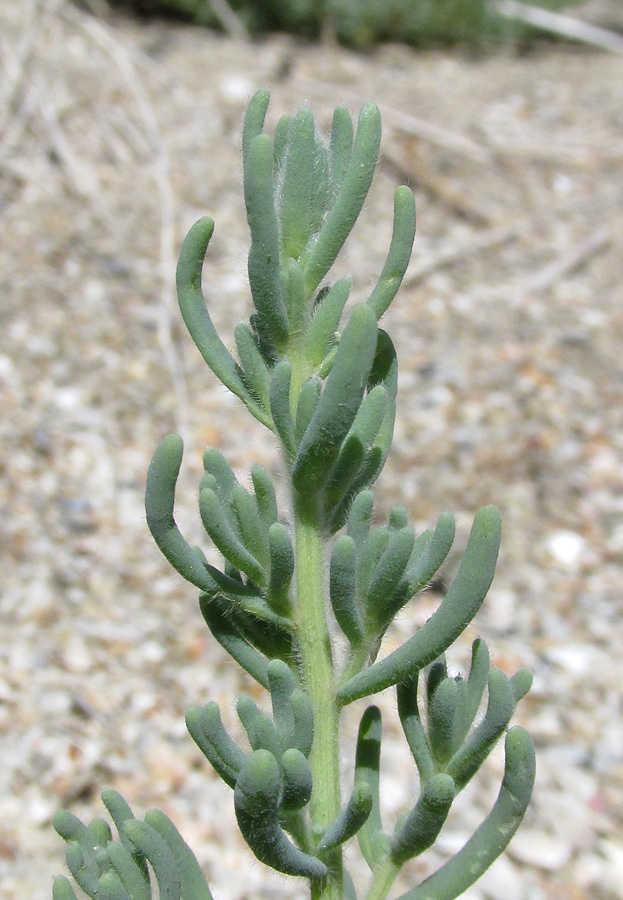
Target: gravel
<point>115,136</point>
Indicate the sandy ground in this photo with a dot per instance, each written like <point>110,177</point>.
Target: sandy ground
<point>114,137</point>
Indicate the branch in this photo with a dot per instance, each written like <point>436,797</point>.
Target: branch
<point>566,26</point>
<point>564,265</point>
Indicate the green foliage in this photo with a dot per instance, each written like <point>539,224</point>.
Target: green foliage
<point>360,23</point>
<point>322,378</point>
<point>108,869</point>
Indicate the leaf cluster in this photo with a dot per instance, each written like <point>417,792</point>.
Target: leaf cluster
<point>147,853</point>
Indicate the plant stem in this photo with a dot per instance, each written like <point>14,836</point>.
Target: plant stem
<point>357,659</point>
<point>317,663</point>
<point>383,878</point>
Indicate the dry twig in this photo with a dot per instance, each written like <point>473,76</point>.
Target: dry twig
<point>579,157</point>
<point>568,262</point>
<point>232,23</point>
<point>104,37</point>
<point>412,168</point>
<point>405,122</point>
<point>38,12</point>
<point>419,270</point>
<point>81,175</point>
<point>559,24</point>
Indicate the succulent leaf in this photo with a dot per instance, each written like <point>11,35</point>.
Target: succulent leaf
<point>340,148</point>
<point>256,801</point>
<point>303,721</point>
<point>282,564</point>
<point>399,252</point>
<point>343,588</point>
<point>264,273</point>
<point>474,690</point>
<point>256,374</point>
<point>458,608</point>
<point>428,564</point>
<point>389,571</point>
<point>372,839</point>
<point>360,518</point>
<point>230,636</point>
<point>62,889</point>
<point>338,403</point>
<point>413,728</point>
<point>215,522</point>
<point>194,885</point>
<point>306,405</point>
<point>254,118</point>
<point>207,730</point>
<point>351,819</point>
<point>264,495</point>
<point>477,746</point>
<point>350,198</point>
<point>297,780</point>
<point>280,405</point>
<point>300,185</point>
<point>260,729</point>
<point>159,508</point>
<point>423,824</point>
<point>493,836</point>
<point>441,722</point>
<point>321,333</point>
<point>157,851</point>
<point>132,877</point>
<point>282,683</point>
<point>197,318</point>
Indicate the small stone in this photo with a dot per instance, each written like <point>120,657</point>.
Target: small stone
<point>545,851</point>
<point>235,87</point>
<point>614,854</point>
<point>576,659</point>
<point>588,870</point>
<point>76,655</point>
<point>450,842</point>
<point>7,694</point>
<point>166,766</point>
<point>502,881</point>
<point>567,547</point>
<point>39,810</point>
<point>501,610</point>
<point>562,184</point>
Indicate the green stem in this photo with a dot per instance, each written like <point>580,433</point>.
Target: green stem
<point>317,664</point>
<point>295,824</point>
<point>382,880</point>
<point>357,659</point>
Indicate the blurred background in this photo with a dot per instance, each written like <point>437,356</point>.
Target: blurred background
<point>119,126</point>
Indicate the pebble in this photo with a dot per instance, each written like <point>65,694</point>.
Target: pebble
<point>576,659</point>
<point>103,647</point>
<point>502,881</point>
<point>501,610</point>
<point>166,766</point>
<point>566,547</point>
<point>614,854</point>
<point>536,848</point>
<point>76,655</point>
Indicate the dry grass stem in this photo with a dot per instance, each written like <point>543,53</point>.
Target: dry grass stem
<point>420,270</point>
<point>232,23</point>
<point>562,25</point>
<point>403,122</point>
<point>105,38</point>
<point>569,261</point>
